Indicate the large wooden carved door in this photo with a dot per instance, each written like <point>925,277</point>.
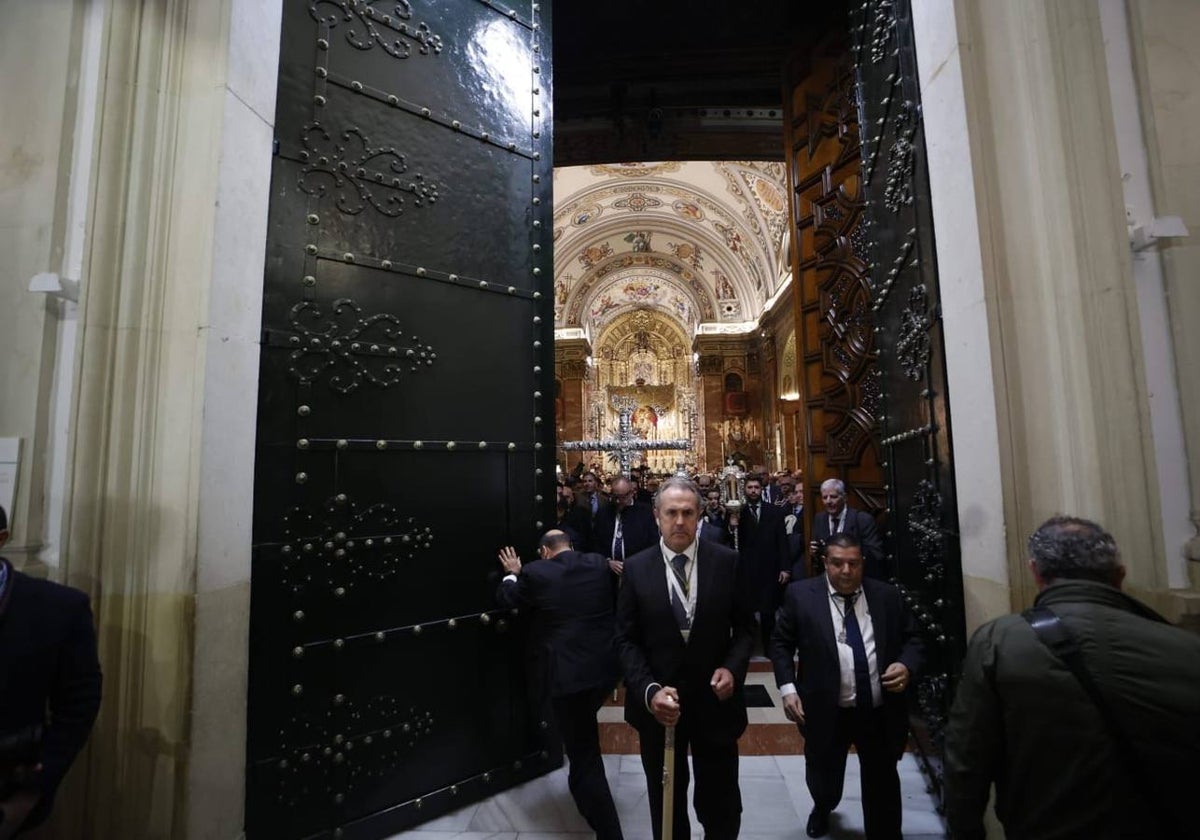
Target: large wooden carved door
<point>836,343</point>
<point>872,358</point>
<point>406,412</point>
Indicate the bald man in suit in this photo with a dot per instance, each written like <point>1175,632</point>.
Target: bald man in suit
<point>570,597</point>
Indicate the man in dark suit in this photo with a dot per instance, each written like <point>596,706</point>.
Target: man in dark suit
<point>762,544</point>
<point>623,528</point>
<point>570,596</point>
<point>642,494</point>
<point>785,485</point>
<point>685,629</point>
<point>839,518</point>
<point>49,688</point>
<point>858,650</point>
<point>793,526</point>
<point>714,523</point>
<point>592,498</point>
<point>571,518</point>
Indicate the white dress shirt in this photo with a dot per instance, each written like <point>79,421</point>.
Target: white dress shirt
<point>847,693</point>
<point>692,573</point>
<point>835,522</point>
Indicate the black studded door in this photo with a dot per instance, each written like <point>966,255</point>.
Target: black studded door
<point>407,366</point>
<point>915,425</point>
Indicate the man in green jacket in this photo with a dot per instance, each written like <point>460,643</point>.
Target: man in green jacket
<point>1022,721</point>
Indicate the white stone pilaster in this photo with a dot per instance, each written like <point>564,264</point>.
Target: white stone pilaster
<point>1038,286</point>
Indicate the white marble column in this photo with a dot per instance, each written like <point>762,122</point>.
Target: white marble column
<point>159,485</point>
<point>1045,353</point>
<point>1163,37</point>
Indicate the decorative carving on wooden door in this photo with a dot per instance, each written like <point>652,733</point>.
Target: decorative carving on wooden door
<point>835,327</point>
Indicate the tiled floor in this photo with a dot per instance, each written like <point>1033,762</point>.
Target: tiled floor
<point>769,733</point>
<point>775,805</point>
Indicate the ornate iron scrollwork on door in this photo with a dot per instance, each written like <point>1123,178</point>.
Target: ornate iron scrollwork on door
<point>400,36</point>
<point>914,419</point>
<point>913,347</point>
<point>369,170</point>
<point>372,350</point>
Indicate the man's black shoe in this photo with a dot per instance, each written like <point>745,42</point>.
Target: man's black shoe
<point>818,823</point>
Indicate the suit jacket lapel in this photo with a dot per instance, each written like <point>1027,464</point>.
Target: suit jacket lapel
<point>662,593</point>
<point>874,596</point>
<point>821,615</point>
<point>703,583</point>
<point>658,581</point>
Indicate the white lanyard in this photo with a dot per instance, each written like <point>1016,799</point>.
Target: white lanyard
<point>688,600</point>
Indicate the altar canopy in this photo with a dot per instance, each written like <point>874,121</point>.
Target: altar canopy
<point>644,366</point>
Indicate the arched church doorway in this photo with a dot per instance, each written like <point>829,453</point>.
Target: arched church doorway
<point>849,383</point>
<point>412,224</point>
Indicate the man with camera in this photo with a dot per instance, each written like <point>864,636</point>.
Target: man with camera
<point>49,690</point>
<point>840,518</point>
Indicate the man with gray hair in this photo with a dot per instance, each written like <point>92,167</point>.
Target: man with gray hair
<point>839,518</point>
<point>685,628</point>
<point>1083,711</point>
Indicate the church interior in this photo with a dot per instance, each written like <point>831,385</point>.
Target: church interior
<point>684,317</point>
<point>296,327</point>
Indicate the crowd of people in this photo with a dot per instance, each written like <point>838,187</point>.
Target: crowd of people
<point>698,582</point>
<point>1080,712</point>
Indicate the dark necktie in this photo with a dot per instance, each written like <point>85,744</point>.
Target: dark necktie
<point>679,568</point>
<point>618,546</point>
<point>833,524</point>
<point>754,510</point>
<point>862,672</point>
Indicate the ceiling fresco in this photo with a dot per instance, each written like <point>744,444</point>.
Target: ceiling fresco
<point>702,242</point>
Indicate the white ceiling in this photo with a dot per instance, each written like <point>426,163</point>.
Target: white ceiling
<point>701,241</point>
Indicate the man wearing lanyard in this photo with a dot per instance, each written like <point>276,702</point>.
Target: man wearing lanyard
<point>623,528</point>
<point>685,629</point>
<point>858,649</point>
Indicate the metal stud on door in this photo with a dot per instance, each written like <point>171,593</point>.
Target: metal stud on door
<point>406,310</point>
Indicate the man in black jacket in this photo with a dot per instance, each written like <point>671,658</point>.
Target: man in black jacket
<point>858,650</point>
<point>793,526</point>
<point>1023,721</point>
<point>685,630</point>
<point>714,522</point>
<point>49,681</point>
<point>762,544</point>
<point>570,595</point>
<point>839,518</point>
<point>623,527</point>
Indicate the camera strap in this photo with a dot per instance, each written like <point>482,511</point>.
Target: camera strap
<point>1052,633</point>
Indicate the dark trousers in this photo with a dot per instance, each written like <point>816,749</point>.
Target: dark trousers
<point>768,603</point>
<point>826,771</point>
<point>575,717</point>
<point>718,799</point>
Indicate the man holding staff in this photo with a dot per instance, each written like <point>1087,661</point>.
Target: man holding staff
<point>685,629</point>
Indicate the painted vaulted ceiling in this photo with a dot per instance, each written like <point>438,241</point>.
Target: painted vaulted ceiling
<point>703,242</point>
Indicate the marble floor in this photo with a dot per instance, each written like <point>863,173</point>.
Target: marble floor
<point>775,805</point>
